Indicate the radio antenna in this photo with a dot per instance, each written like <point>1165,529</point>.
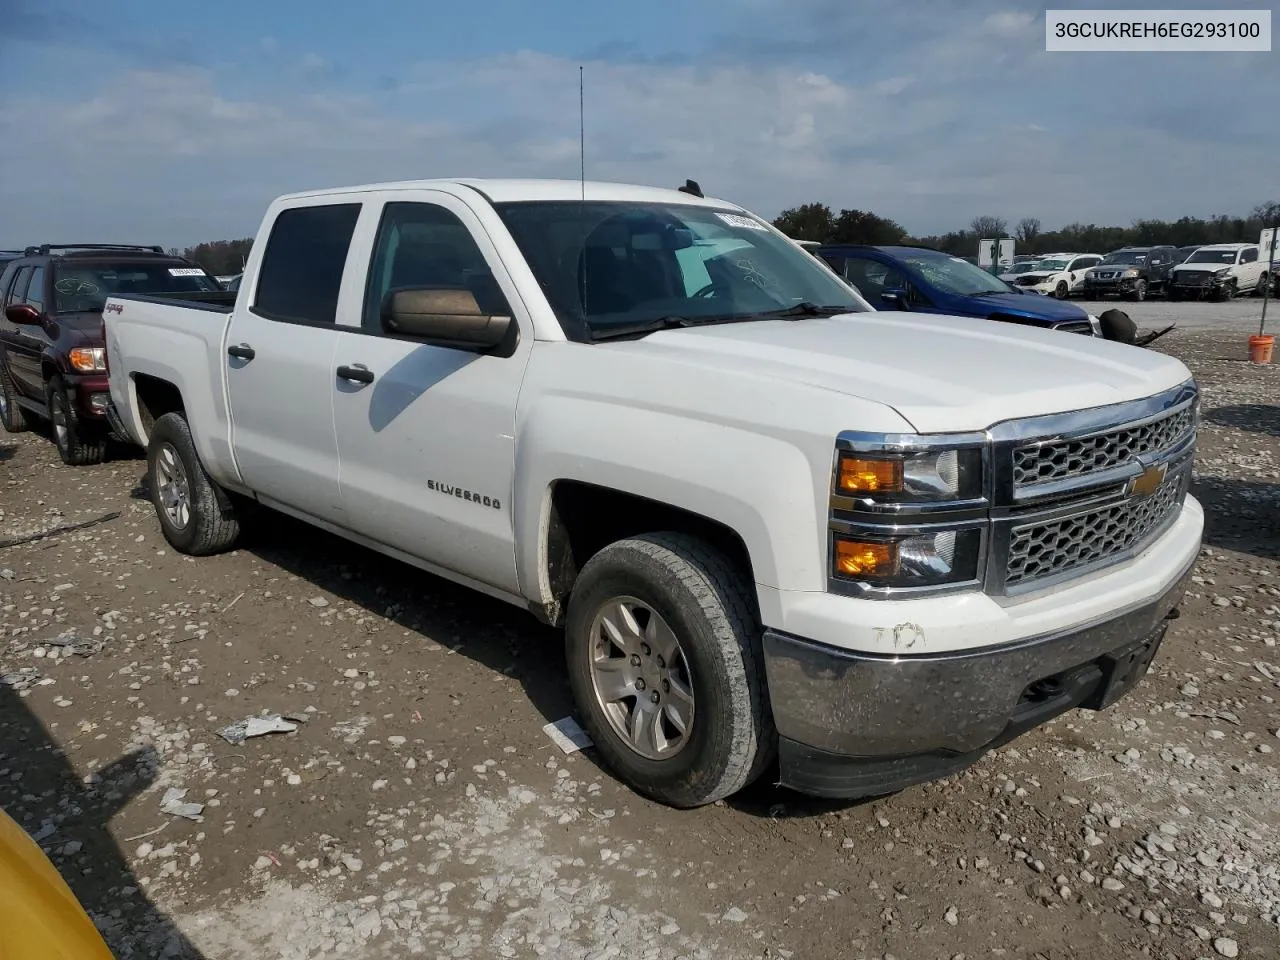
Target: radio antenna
<point>582,183</point>
<point>582,136</point>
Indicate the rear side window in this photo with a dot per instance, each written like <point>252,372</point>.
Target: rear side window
<point>301,272</point>
<point>19,286</point>
<point>35,290</point>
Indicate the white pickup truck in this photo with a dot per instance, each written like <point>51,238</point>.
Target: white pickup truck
<point>776,525</point>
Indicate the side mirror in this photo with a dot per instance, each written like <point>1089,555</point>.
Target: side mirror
<point>23,314</point>
<point>895,295</point>
<point>446,316</point>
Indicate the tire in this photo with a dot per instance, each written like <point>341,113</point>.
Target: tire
<point>707,605</point>
<point>1061,292</point>
<point>1139,292</point>
<point>12,417</point>
<point>1260,288</point>
<point>196,516</point>
<point>1227,292</point>
<point>79,444</point>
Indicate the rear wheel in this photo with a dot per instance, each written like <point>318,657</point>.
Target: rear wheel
<point>79,443</point>
<point>1260,289</point>
<point>12,417</point>
<point>196,516</point>
<point>664,660</point>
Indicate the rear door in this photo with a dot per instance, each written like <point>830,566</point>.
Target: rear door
<point>25,344</point>
<point>426,434</point>
<point>279,357</point>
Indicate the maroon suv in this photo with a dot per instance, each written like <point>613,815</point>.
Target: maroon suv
<point>52,352</point>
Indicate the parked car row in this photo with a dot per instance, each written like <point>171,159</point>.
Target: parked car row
<point>533,389</point>
<point>1213,271</point>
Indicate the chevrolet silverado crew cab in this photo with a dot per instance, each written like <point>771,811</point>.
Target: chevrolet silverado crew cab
<point>780,529</point>
<point>51,347</point>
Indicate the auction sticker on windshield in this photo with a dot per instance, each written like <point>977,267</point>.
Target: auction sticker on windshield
<point>736,220</point>
<point>185,272</point>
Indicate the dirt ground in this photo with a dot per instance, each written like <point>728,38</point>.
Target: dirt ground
<point>420,810</point>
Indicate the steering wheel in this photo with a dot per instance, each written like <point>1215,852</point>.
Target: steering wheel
<point>705,293</point>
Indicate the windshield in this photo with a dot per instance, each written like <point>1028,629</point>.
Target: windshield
<point>1212,256</point>
<point>613,265</point>
<point>954,275</point>
<point>1025,267</point>
<point>84,287</point>
<point>1054,265</point>
<point>1125,256</point>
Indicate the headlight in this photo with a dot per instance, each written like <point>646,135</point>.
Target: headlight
<point>911,477</point>
<point>1096,324</point>
<point>1131,272</point>
<point>918,560</point>
<point>87,359</point>
<point>1222,273</point>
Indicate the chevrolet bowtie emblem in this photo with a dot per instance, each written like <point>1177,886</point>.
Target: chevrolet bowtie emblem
<point>1147,482</point>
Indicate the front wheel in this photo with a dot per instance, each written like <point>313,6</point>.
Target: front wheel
<point>665,665</point>
<point>196,517</point>
<point>1139,292</point>
<point>78,443</point>
<point>1060,291</point>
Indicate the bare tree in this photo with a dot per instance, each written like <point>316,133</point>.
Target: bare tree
<point>990,228</point>
<point>1028,229</point>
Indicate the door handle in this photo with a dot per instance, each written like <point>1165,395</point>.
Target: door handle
<point>241,351</point>
<point>357,373</point>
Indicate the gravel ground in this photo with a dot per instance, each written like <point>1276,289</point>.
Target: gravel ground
<point>419,810</point>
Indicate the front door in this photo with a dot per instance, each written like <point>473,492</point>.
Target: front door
<point>279,356</point>
<point>25,343</point>
<point>426,434</point>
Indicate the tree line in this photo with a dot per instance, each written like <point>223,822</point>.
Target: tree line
<point>817,221</point>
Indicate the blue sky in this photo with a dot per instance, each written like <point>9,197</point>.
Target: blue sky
<point>177,122</point>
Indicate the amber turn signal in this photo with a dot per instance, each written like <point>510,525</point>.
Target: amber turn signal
<point>870,475</point>
<point>861,558</point>
<point>87,359</point>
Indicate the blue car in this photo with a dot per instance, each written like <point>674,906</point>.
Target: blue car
<point>928,281</point>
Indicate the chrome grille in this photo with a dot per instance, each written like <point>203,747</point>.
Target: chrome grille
<point>1190,278</point>
<point>1038,551</point>
<point>1082,326</point>
<point>1044,462</point>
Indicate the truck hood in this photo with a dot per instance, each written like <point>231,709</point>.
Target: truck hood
<point>940,373</point>
<point>1201,267</point>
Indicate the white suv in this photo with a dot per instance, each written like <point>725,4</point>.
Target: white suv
<point>1058,274</point>
<point>1219,271</point>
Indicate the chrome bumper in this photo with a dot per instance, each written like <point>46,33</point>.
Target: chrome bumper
<point>854,724</point>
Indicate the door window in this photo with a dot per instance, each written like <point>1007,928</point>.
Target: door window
<point>872,277</point>
<point>35,290</point>
<point>19,289</point>
<point>425,245</point>
<point>1249,256</point>
<point>301,271</point>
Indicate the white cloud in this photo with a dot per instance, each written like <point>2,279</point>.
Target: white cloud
<point>171,157</point>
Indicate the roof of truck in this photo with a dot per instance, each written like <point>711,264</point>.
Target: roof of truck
<point>504,191</point>
<point>1225,246</point>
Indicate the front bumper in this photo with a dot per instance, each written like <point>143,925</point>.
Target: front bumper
<point>859,724</point>
<point>92,394</point>
<point>1102,288</point>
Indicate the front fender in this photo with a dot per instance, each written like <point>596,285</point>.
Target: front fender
<point>760,486</point>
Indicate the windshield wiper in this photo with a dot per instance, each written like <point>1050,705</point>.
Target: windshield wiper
<point>802,309</point>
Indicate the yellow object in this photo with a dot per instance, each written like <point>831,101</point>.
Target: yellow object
<point>40,918</point>
<point>857,558</point>
<point>870,475</point>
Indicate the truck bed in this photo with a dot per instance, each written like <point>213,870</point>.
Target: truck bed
<point>220,301</point>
